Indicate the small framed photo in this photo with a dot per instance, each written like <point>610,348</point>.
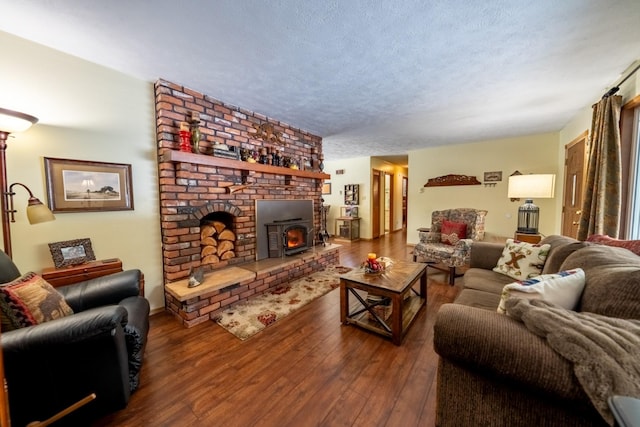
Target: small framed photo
<point>71,252</point>
<point>495,176</point>
<point>326,188</point>
<point>87,186</point>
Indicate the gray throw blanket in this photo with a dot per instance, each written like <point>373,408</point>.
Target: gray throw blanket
<point>605,351</point>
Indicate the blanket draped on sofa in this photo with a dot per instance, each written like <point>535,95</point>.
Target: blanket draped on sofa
<point>605,351</point>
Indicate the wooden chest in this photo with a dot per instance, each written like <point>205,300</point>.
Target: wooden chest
<point>78,273</point>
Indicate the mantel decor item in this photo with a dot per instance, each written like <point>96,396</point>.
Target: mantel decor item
<point>194,128</point>
<point>71,252</point>
<point>185,137</point>
<point>448,180</point>
<point>87,186</point>
<point>266,132</point>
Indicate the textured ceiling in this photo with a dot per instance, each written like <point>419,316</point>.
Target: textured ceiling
<point>370,77</point>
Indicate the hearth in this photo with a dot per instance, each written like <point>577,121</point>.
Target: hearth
<point>288,237</point>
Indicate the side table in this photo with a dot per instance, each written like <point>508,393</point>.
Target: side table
<point>529,238</point>
<point>78,273</point>
<point>348,228</point>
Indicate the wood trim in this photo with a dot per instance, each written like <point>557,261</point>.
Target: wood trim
<point>632,103</point>
<point>626,149</point>
<point>584,135</point>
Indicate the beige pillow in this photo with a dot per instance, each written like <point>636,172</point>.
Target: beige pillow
<point>522,260</point>
<point>30,300</point>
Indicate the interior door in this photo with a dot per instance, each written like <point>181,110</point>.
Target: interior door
<point>388,202</point>
<point>375,203</point>
<point>575,173</point>
<point>405,185</point>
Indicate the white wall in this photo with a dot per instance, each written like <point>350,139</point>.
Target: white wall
<point>356,171</point>
<point>86,112</point>
<point>528,154</point>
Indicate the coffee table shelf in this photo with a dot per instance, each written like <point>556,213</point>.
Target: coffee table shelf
<point>411,307</point>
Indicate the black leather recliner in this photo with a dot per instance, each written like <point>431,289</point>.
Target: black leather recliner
<point>98,349</point>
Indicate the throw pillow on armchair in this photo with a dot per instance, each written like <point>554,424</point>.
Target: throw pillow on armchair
<point>451,232</point>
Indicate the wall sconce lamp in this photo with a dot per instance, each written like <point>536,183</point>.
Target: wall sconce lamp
<point>530,187</point>
<point>12,122</point>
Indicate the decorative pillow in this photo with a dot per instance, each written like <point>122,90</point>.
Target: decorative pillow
<point>521,260</point>
<point>30,300</point>
<point>452,232</point>
<point>563,289</point>
<point>603,239</point>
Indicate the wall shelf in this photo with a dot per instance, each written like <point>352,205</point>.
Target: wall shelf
<point>201,159</point>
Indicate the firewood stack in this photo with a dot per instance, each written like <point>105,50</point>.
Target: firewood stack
<point>217,242</point>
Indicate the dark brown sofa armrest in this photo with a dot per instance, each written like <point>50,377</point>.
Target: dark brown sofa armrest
<point>485,255</point>
<point>502,348</point>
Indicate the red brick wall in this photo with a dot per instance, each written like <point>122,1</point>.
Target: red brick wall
<point>188,191</point>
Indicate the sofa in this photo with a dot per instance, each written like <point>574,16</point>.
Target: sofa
<point>493,371</point>
<point>98,348</point>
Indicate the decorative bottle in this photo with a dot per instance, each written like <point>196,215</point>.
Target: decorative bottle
<point>185,137</point>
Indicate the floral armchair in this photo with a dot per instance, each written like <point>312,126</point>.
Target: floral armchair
<point>454,253</point>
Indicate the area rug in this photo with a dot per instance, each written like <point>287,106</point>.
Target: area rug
<point>246,319</point>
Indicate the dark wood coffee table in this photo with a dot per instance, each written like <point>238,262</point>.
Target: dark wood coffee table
<point>395,283</point>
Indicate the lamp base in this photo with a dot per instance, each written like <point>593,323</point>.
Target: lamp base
<point>528,214</point>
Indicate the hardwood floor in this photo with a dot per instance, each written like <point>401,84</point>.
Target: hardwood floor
<point>305,370</point>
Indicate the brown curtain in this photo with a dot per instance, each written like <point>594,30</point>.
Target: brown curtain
<point>601,205</point>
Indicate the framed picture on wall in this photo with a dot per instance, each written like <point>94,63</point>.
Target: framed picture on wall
<point>88,186</point>
<point>495,176</point>
<point>326,188</point>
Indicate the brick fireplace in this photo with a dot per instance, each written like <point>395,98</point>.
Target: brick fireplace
<point>199,190</point>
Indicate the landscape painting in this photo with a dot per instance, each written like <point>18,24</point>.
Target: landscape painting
<point>80,185</point>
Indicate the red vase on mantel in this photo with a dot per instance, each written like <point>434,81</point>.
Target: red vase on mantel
<point>185,137</point>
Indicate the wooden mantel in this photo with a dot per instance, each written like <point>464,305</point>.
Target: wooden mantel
<point>202,159</point>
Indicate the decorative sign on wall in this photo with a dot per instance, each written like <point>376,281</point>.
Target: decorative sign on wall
<point>495,176</point>
<point>267,133</point>
<point>447,180</point>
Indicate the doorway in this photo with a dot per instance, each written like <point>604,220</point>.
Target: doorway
<point>405,185</point>
<point>377,186</point>
<point>388,203</point>
<point>575,168</point>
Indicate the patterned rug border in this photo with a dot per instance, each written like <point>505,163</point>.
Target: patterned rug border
<point>245,319</point>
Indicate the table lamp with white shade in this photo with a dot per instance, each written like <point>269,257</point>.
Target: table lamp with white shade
<point>529,187</point>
